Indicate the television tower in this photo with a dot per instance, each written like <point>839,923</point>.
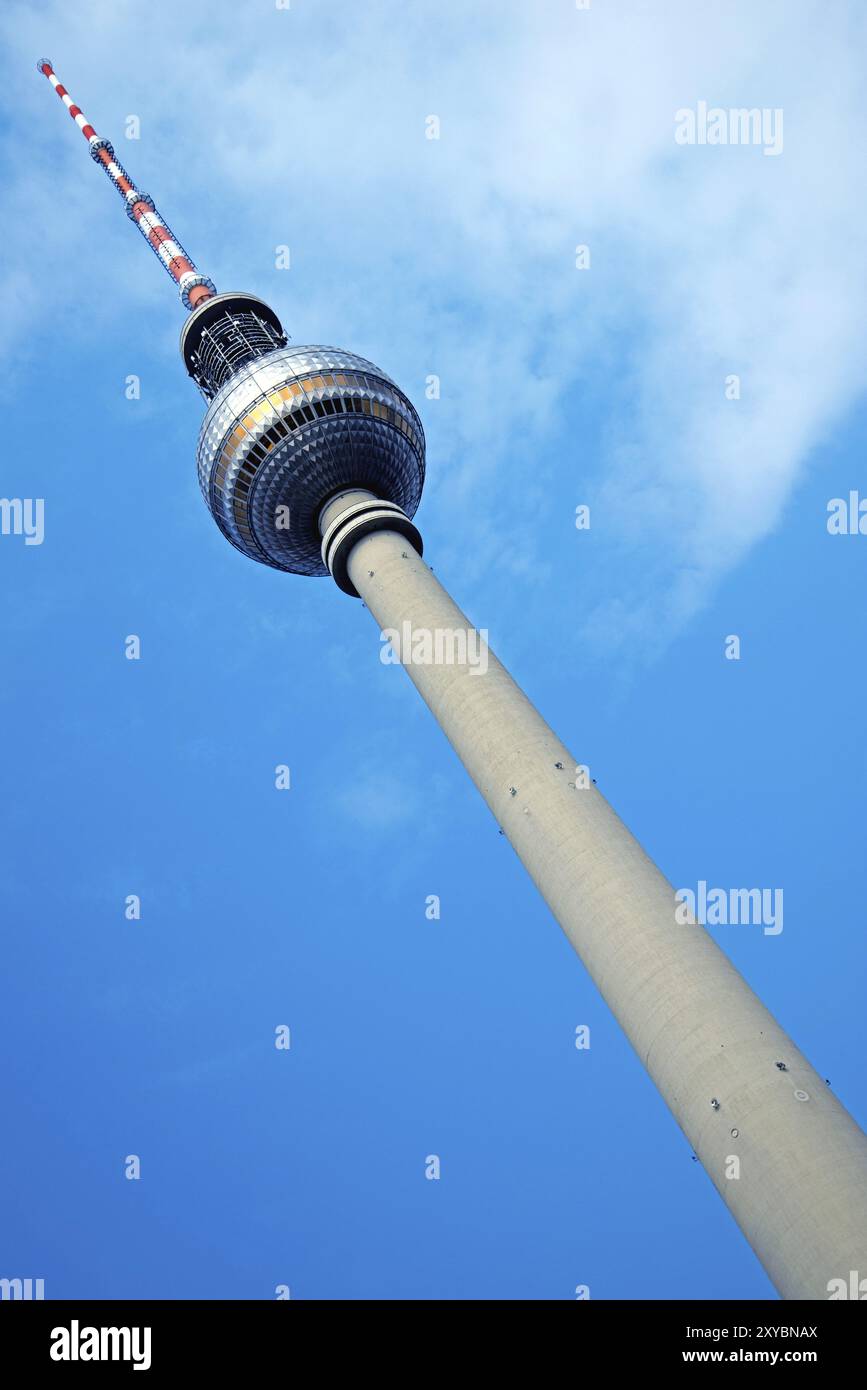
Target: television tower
<point>311,460</point>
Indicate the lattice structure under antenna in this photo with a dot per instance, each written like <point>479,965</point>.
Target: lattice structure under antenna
<point>225,333</point>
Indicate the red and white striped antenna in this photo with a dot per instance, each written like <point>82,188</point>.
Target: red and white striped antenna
<point>194,287</point>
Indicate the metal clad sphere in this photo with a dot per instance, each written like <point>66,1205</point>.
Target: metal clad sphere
<point>292,428</point>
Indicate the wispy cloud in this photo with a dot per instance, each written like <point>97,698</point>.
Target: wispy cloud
<point>456,256</point>
<point>378,799</point>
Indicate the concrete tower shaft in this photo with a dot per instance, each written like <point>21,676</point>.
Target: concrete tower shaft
<point>732,1078</point>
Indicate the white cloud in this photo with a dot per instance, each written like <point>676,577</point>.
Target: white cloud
<point>378,799</point>
<point>456,256</point>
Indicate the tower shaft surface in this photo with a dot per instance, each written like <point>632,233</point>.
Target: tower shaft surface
<point>701,1032</point>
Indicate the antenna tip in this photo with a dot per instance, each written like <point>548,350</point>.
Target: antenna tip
<point>44,63</point>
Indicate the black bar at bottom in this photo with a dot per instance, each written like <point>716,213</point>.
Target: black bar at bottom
<point>64,1337</point>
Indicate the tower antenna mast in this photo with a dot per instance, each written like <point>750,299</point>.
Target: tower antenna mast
<point>194,287</point>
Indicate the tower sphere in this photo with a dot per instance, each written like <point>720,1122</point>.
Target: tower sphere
<point>289,427</point>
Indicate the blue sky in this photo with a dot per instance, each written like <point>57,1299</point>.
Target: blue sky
<point>453,257</point>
